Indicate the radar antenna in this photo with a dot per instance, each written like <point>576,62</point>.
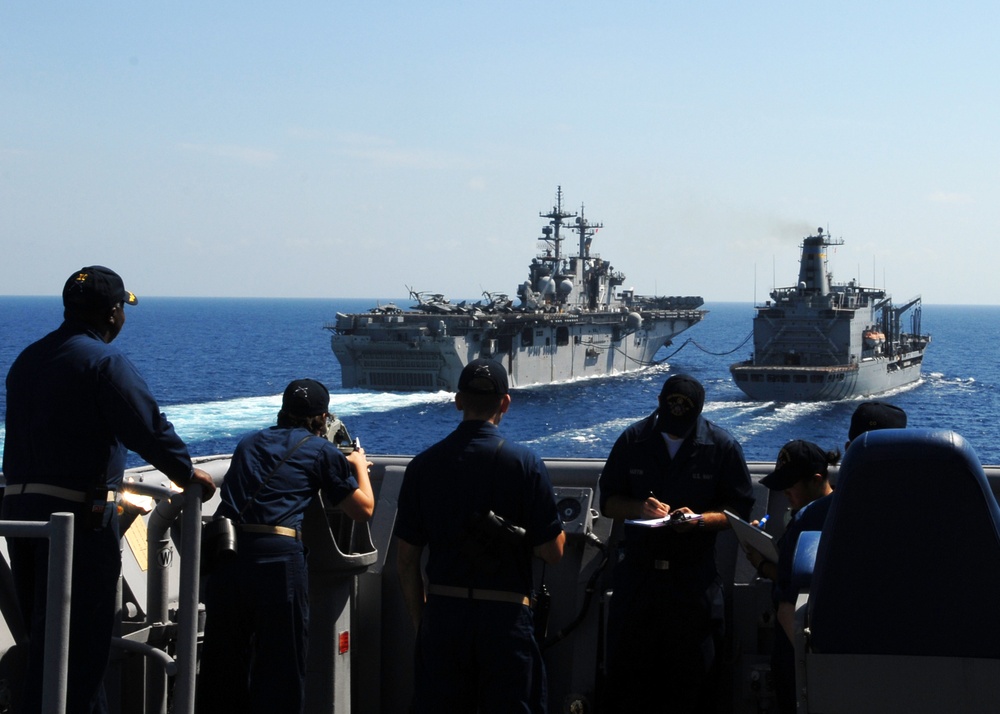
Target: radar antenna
<point>550,233</point>
<point>586,231</point>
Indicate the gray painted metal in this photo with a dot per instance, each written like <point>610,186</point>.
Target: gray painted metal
<point>571,323</point>
<point>823,341</point>
<point>187,613</point>
<point>381,634</point>
<point>59,531</point>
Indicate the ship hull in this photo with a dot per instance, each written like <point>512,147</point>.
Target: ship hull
<point>819,341</point>
<point>573,322</point>
<point>426,352</point>
<point>800,384</point>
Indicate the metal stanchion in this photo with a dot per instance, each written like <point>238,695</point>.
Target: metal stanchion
<point>59,531</point>
<point>187,611</point>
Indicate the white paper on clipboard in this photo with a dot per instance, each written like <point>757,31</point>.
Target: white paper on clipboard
<point>753,537</point>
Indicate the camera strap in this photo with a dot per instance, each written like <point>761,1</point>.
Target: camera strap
<point>288,455</point>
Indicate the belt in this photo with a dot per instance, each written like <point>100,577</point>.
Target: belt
<point>270,530</point>
<point>478,594</point>
<point>44,489</point>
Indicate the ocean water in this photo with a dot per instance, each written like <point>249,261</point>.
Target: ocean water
<point>218,367</point>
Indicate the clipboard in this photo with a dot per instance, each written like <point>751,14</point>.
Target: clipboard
<point>753,537</point>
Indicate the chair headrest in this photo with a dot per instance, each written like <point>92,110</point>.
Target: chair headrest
<point>909,559</point>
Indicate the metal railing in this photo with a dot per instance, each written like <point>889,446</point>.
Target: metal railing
<point>182,665</point>
<point>59,532</point>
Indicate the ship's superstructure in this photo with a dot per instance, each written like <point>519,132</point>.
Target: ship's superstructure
<point>823,341</point>
<point>571,322</point>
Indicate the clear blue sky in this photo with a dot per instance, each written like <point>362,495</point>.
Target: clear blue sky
<point>347,148</point>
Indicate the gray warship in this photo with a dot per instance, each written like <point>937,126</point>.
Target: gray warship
<point>572,321</point>
<point>824,341</point>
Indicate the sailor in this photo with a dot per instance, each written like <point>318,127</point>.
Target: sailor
<point>665,621</point>
<point>802,472</point>
<point>870,416</point>
<point>481,506</point>
<point>257,603</point>
<point>75,404</point>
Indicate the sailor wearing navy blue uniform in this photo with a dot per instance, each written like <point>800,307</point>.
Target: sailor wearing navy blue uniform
<point>802,472</point>
<point>482,507</point>
<point>666,614</point>
<point>75,404</point>
<point>257,603</point>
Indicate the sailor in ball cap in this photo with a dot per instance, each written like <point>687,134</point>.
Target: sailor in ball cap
<point>482,506</point>
<point>802,473</point>
<point>49,469</point>
<point>484,376</point>
<point>871,416</point>
<point>257,604</point>
<point>666,588</point>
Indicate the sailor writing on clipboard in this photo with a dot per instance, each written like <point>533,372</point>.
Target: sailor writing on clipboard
<point>666,586</point>
<point>802,472</point>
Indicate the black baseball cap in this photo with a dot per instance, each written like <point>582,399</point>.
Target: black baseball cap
<point>797,460</point>
<point>681,401</point>
<point>483,376</point>
<point>305,397</point>
<point>96,287</point>
<point>870,416</point>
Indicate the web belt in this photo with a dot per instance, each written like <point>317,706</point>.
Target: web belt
<point>478,594</point>
<point>270,530</point>
<point>44,489</point>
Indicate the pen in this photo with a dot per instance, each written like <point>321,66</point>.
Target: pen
<point>763,521</point>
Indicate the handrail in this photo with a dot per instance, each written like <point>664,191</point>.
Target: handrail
<point>159,656</point>
<point>59,531</point>
<point>187,611</point>
<point>188,507</point>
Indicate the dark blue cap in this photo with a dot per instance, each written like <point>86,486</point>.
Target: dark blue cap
<point>870,416</point>
<point>305,398</point>
<point>797,460</point>
<point>96,287</point>
<point>681,401</point>
<point>483,376</point>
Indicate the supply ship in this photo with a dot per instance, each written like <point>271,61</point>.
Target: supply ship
<point>824,341</point>
<point>572,321</point>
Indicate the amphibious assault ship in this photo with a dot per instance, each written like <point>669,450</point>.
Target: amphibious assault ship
<point>571,322</point>
<point>824,341</point>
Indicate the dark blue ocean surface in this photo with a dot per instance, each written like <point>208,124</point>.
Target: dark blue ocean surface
<point>218,367</point>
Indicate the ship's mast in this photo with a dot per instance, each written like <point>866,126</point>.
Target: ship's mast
<point>556,217</point>
<point>586,231</point>
<point>813,276</point>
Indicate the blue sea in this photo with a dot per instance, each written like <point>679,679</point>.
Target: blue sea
<point>218,367</point>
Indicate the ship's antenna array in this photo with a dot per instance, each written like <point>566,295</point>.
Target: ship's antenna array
<point>550,233</point>
<point>586,231</point>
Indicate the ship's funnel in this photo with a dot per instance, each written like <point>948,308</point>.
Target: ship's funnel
<point>812,267</point>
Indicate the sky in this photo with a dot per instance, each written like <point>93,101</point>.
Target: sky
<point>352,148</point>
